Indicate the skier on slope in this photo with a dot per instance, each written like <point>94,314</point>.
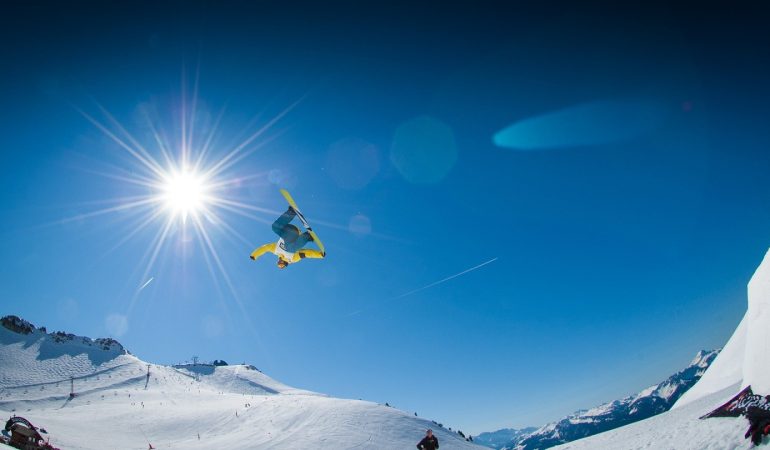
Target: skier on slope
<point>289,247</point>
<point>429,442</point>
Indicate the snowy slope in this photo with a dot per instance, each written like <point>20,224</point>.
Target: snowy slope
<point>756,365</point>
<point>677,429</point>
<point>744,359</point>
<point>649,402</point>
<point>118,407</point>
<point>725,371</point>
<point>742,362</point>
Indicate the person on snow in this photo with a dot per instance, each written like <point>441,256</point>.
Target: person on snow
<point>759,424</point>
<point>289,246</point>
<point>429,442</point>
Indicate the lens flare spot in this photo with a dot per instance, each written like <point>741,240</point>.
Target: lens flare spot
<point>360,225</point>
<point>352,163</point>
<point>116,324</point>
<point>212,326</point>
<point>424,150</point>
<point>594,123</point>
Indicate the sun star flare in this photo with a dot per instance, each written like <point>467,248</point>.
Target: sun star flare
<point>184,192</point>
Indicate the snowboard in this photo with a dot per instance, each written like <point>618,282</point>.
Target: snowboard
<point>302,219</point>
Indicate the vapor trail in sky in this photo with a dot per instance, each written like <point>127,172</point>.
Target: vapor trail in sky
<point>429,286</point>
<point>447,278</point>
<point>146,283</point>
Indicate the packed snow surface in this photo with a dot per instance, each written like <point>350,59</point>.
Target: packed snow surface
<point>677,429</point>
<point>649,402</point>
<point>744,359</point>
<point>117,406</point>
<point>756,364</point>
<point>725,371</point>
<point>743,362</point>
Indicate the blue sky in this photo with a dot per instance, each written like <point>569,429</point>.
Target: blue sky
<point>613,161</point>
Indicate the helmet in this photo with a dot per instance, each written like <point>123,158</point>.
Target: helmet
<point>282,263</point>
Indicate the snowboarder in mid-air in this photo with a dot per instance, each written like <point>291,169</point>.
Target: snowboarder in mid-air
<point>289,247</point>
<point>429,442</point>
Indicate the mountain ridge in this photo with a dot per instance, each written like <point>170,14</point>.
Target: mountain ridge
<point>94,394</point>
<point>617,413</point>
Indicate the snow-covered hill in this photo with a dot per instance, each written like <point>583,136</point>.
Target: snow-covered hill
<point>647,403</point>
<point>743,361</point>
<point>745,357</point>
<point>118,406</point>
<point>676,429</point>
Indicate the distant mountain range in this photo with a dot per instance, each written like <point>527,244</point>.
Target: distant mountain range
<point>95,379</point>
<point>647,403</point>
<point>501,438</point>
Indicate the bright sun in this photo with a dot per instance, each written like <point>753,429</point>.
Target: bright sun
<point>189,177</point>
<point>184,192</point>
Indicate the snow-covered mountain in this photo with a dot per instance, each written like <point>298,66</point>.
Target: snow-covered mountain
<point>93,394</point>
<point>647,403</point>
<point>676,429</point>
<point>503,437</point>
<point>742,362</point>
<point>745,357</point>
